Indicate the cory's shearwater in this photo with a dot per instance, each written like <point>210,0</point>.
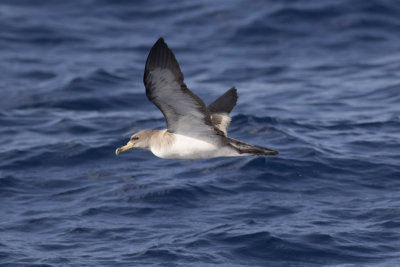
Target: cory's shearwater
<point>193,130</point>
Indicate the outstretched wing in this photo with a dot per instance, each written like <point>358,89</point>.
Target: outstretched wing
<point>225,103</point>
<point>184,111</point>
<point>220,109</point>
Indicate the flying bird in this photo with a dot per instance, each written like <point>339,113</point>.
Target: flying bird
<point>194,130</point>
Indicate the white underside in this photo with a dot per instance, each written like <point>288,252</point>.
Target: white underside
<point>185,147</point>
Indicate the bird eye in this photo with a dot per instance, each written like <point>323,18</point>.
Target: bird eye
<point>135,138</point>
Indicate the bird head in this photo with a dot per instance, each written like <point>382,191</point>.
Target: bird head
<point>138,140</point>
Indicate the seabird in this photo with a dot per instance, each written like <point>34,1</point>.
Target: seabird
<point>194,130</point>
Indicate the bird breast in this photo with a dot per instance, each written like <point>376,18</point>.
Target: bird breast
<point>176,146</point>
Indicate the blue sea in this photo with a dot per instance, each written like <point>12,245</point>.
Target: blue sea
<point>319,81</point>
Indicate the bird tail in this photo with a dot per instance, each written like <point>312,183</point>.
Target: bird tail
<point>244,148</point>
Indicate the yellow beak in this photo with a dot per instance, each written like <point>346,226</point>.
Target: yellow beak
<point>124,148</point>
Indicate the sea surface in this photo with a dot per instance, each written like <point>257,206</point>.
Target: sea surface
<point>319,81</point>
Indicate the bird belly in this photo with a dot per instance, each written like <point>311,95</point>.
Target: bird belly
<point>185,147</point>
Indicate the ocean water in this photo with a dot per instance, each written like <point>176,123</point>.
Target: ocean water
<point>317,80</point>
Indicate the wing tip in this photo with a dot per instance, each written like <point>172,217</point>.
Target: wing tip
<point>161,56</point>
<point>159,42</point>
<point>234,93</point>
<point>225,103</point>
